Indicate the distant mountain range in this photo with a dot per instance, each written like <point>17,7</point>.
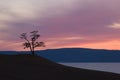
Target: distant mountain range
<point>76,55</point>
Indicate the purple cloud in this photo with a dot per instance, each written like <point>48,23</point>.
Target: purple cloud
<point>89,21</point>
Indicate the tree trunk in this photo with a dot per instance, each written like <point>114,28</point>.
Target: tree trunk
<point>33,52</point>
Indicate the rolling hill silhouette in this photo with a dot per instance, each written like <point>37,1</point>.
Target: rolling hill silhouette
<point>27,67</point>
<point>75,55</point>
<point>81,55</point>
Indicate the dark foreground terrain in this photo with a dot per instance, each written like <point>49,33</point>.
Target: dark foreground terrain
<point>27,67</point>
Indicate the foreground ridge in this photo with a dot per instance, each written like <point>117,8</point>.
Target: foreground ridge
<point>28,67</point>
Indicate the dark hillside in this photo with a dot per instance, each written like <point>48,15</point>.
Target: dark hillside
<point>27,67</point>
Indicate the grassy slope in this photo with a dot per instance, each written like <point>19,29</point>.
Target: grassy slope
<point>27,67</point>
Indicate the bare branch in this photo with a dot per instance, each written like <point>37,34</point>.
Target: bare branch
<point>23,36</point>
<point>26,45</point>
<point>34,35</point>
<point>34,32</point>
<point>39,44</point>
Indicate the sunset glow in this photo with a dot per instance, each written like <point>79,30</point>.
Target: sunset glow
<point>61,23</point>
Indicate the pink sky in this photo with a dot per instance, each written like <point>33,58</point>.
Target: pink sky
<point>62,23</point>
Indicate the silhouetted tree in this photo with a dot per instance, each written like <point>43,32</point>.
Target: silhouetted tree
<point>31,41</point>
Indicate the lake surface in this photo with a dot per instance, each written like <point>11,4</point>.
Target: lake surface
<point>109,67</point>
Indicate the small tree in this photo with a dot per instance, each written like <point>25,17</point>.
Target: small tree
<point>31,41</point>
